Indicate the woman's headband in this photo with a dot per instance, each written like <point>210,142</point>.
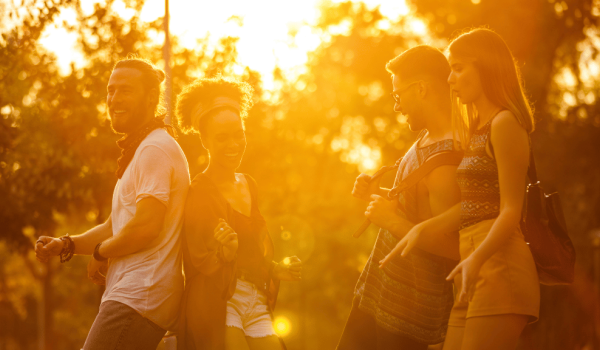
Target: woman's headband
<point>201,109</point>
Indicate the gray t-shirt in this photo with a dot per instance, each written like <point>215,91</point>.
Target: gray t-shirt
<point>151,281</point>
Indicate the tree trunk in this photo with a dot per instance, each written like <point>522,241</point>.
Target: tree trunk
<point>47,341</point>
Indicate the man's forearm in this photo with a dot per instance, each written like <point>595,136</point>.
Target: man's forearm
<point>139,232</point>
<point>441,244</point>
<point>85,243</point>
<point>399,226</point>
<point>438,237</point>
<point>134,237</point>
<point>446,222</point>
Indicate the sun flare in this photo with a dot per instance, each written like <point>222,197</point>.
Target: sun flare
<point>271,33</point>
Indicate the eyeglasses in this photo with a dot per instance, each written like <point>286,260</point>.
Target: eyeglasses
<point>396,94</point>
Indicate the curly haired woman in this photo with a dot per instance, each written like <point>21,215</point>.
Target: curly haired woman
<point>231,280</point>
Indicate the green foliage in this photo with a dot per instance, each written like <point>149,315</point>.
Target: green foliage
<point>307,141</point>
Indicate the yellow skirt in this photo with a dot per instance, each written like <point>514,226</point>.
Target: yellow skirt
<point>507,283</point>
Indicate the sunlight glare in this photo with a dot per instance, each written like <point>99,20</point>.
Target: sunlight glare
<point>63,43</point>
<point>123,11</point>
<point>282,326</point>
<point>417,26</point>
<point>390,9</point>
<point>87,7</point>
<point>272,33</point>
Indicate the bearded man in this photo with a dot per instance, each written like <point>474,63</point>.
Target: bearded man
<point>141,238</point>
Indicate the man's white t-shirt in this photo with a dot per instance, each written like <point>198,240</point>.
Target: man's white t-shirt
<point>151,281</point>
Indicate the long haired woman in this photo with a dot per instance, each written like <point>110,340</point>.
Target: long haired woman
<point>496,279</point>
<point>231,280</point>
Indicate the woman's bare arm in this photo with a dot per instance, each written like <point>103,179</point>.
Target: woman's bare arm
<point>511,149</point>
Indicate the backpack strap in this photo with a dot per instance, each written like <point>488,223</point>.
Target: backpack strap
<point>532,171</point>
<point>439,159</point>
<point>253,191</point>
<point>420,136</point>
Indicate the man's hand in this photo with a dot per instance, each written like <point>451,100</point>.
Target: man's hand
<point>97,271</point>
<point>364,187</point>
<point>47,247</point>
<point>228,238</point>
<point>289,269</point>
<point>382,212</point>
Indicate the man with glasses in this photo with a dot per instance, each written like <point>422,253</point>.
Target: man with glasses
<point>405,303</point>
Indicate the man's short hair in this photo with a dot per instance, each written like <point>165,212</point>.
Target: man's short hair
<point>420,62</point>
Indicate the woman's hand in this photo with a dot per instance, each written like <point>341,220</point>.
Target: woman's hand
<point>469,268</point>
<point>406,244</point>
<point>225,235</point>
<point>289,269</point>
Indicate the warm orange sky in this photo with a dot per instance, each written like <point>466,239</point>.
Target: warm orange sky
<point>263,28</point>
<point>264,39</point>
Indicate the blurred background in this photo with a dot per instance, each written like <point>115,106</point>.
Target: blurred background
<point>323,115</point>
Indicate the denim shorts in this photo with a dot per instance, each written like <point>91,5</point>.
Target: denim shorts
<point>248,310</point>
<point>119,327</point>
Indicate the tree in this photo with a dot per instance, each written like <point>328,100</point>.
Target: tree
<point>307,141</point>
<point>58,153</point>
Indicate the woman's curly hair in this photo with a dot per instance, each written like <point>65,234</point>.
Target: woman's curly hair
<point>205,90</point>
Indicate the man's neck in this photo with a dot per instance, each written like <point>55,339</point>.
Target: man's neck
<point>439,126</point>
<point>142,124</point>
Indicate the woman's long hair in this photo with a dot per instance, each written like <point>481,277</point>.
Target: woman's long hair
<point>500,79</point>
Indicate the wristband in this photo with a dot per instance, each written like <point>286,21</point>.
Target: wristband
<point>68,249</point>
<point>97,255</point>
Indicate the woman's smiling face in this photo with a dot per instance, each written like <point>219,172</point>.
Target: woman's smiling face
<point>225,139</point>
<point>464,79</point>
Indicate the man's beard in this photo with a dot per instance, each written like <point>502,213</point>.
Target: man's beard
<point>415,121</point>
<point>135,121</point>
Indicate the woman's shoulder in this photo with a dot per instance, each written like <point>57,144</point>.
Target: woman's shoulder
<point>249,178</point>
<point>506,131</point>
<point>253,186</point>
<point>506,126</point>
<point>506,120</point>
<point>201,184</point>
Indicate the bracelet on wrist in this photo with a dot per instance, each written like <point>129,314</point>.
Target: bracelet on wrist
<point>68,248</point>
<point>97,255</point>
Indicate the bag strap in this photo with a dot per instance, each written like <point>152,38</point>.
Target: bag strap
<point>253,187</point>
<point>532,171</point>
<point>435,161</point>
